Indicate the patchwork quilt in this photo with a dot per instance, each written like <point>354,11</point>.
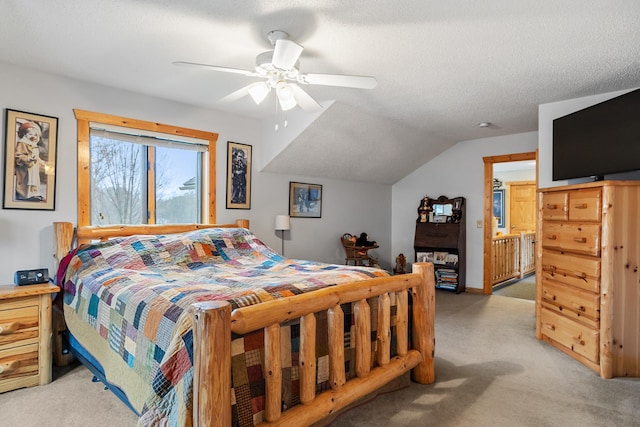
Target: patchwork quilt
<point>136,293</point>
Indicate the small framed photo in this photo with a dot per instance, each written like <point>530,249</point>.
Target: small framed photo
<point>31,143</point>
<point>451,259</point>
<point>439,257</point>
<point>457,203</point>
<point>238,176</point>
<point>498,206</point>
<point>424,257</point>
<point>305,200</point>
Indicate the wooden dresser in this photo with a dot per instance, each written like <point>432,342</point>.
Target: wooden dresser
<point>25,335</point>
<point>588,278</point>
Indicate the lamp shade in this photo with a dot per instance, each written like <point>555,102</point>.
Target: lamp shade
<point>259,91</point>
<point>283,222</point>
<point>285,96</point>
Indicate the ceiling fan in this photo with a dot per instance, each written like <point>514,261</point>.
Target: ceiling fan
<point>281,70</point>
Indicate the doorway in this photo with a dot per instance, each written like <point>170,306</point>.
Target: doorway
<point>489,203</point>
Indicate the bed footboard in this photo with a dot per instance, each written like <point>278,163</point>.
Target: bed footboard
<point>214,322</point>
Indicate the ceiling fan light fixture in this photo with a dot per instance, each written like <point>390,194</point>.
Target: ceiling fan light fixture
<point>259,91</point>
<point>280,68</point>
<point>285,96</point>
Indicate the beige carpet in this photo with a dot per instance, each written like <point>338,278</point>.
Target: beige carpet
<point>525,288</point>
<point>490,371</point>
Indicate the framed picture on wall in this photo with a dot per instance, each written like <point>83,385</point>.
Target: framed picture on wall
<point>498,206</point>
<point>305,200</point>
<point>238,176</point>
<point>31,142</point>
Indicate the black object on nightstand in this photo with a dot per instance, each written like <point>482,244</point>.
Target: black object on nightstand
<point>31,277</point>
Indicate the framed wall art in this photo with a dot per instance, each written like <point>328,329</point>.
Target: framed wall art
<point>305,200</point>
<point>31,142</point>
<point>238,176</point>
<point>498,206</point>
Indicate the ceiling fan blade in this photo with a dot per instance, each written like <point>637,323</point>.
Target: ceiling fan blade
<point>358,82</point>
<point>234,96</point>
<point>215,68</point>
<point>304,100</point>
<point>286,54</point>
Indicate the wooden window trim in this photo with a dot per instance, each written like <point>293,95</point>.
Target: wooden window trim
<point>85,118</point>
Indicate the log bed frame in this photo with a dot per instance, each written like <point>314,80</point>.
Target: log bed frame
<point>215,321</point>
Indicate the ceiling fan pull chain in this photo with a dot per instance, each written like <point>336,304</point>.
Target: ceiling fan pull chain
<point>276,126</point>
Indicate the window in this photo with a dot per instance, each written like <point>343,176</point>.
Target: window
<point>143,172</point>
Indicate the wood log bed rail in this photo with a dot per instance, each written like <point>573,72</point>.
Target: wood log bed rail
<point>214,323</point>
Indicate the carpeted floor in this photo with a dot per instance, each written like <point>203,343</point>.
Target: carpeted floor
<point>524,289</point>
<point>490,371</point>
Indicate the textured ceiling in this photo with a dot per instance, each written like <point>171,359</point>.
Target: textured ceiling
<point>442,67</point>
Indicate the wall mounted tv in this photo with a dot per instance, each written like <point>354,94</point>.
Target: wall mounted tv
<point>600,140</point>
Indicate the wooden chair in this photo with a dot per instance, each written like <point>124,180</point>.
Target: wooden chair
<point>356,254</point>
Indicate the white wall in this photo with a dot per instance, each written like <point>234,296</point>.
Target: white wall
<point>26,236</point>
<point>546,114</point>
<point>458,171</point>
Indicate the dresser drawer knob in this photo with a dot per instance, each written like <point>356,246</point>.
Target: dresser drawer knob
<point>580,239</point>
<point>552,207</point>
<point>550,326</point>
<point>9,328</point>
<point>582,206</point>
<point>7,368</point>
<point>552,237</point>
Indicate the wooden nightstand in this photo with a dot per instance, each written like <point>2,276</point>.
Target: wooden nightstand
<point>25,335</point>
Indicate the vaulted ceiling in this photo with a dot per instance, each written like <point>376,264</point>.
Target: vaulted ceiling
<point>441,67</point>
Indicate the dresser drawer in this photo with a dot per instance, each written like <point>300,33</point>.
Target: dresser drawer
<point>19,362</point>
<point>581,339</point>
<point>18,324</point>
<point>575,270</point>
<point>585,205</point>
<point>573,237</point>
<point>567,298</point>
<point>555,205</point>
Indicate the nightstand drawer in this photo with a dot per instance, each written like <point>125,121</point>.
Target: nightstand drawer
<point>579,338</point>
<point>25,340</point>
<point>19,362</point>
<point>18,324</point>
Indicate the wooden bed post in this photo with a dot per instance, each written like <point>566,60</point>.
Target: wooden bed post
<point>242,223</point>
<point>64,238</point>
<point>212,364</point>
<point>424,297</point>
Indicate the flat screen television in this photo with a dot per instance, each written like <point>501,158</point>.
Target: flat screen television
<point>600,140</point>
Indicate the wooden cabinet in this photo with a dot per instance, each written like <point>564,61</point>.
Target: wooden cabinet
<point>25,335</point>
<point>588,278</point>
<point>440,238</point>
